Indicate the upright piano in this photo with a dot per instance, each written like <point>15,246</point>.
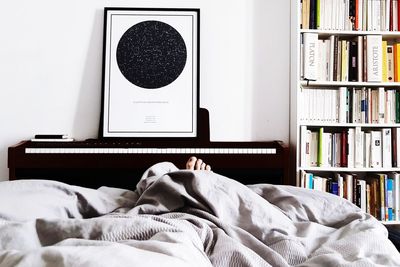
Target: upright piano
<point>121,162</point>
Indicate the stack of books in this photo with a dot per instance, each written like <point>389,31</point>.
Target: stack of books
<point>376,194</point>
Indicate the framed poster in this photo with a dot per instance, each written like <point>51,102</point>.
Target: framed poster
<point>150,72</point>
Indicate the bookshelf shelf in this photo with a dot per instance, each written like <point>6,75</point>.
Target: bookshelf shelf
<point>350,125</point>
<point>338,84</point>
<point>390,222</point>
<point>345,101</point>
<point>325,33</point>
<point>345,169</point>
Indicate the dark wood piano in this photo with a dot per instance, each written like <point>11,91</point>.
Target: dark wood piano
<point>121,162</point>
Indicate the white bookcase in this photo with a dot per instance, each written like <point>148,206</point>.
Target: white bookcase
<point>298,106</point>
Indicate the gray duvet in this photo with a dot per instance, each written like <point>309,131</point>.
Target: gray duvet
<point>185,218</point>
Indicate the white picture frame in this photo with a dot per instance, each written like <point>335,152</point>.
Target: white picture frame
<point>150,72</point>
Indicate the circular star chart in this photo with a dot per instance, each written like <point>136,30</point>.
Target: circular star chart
<point>151,54</point>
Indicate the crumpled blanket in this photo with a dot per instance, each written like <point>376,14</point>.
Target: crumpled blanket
<point>185,218</point>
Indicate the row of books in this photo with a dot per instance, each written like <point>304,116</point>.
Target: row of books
<point>363,58</point>
<point>361,15</point>
<point>350,105</point>
<point>376,194</point>
<point>350,147</point>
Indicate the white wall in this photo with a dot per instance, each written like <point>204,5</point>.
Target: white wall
<point>51,60</point>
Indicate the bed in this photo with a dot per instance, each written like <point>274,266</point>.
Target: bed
<point>185,218</point>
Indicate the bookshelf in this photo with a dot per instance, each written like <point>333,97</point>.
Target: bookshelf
<point>338,108</point>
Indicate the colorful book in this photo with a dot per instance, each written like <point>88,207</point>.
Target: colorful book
<point>390,63</point>
<point>384,62</point>
<point>396,54</point>
<point>382,187</point>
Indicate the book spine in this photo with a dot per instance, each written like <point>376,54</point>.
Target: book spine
<point>384,62</point>
<point>356,192</point>
<point>335,188</point>
<point>353,71</point>
<point>389,198</point>
<point>367,143</point>
<point>349,187</point>
<point>350,147</point>
<point>360,58</point>
<point>338,150</point>
<point>310,180</point>
<point>375,200</point>
<point>342,104</point>
<point>314,149</point>
<point>386,198</point>
<point>396,49</point>
<point>313,9</point>
<point>387,15</point>
<point>382,196</point>
<point>396,196</point>
<point>304,24</point>
<point>397,97</point>
<point>381,104</point>
<point>397,15</point>
<point>320,158</point>
<point>343,150</point>
<point>376,149</point>
<point>391,16</point>
<point>318,14</point>
<point>345,61</point>
<point>331,57</point>
<point>305,146</point>
<point>363,195</point>
<point>394,147</point>
<point>310,56</point>
<point>386,148</point>
<point>357,16</point>
<point>335,58</point>
<point>368,198</point>
<point>390,63</point>
<point>358,151</point>
<point>374,58</point>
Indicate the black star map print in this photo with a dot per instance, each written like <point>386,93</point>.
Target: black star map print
<point>151,54</point>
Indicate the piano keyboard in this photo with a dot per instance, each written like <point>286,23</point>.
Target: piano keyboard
<point>71,150</point>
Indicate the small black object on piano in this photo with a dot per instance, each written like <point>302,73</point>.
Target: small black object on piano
<point>52,138</point>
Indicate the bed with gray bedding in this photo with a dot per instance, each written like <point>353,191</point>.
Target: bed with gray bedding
<point>185,218</point>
